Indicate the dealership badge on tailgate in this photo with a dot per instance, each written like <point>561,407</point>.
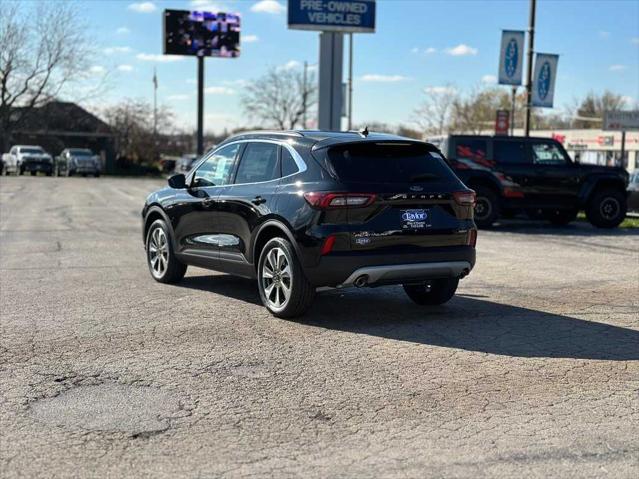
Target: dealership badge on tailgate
<point>415,219</point>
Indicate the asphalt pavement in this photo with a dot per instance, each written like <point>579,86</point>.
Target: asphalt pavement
<point>532,370</point>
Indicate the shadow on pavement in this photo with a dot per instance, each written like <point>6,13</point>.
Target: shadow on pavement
<point>576,228</point>
<point>467,322</point>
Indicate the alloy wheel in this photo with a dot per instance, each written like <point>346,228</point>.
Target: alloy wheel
<point>277,278</point>
<point>158,253</point>
<point>483,208</point>
<point>609,208</point>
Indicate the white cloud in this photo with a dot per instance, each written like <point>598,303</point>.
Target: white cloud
<point>208,6</point>
<point>122,31</point>
<point>489,79</point>
<point>372,77</point>
<point>628,101</point>
<point>114,50</point>
<point>179,97</point>
<point>250,38</point>
<point>461,50</point>
<point>239,83</point>
<point>142,7</point>
<point>290,65</point>
<point>191,81</point>
<point>635,40</point>
<point>439,90</point>
<point>617,68</point>
<point>268,6</point>
<point>426,51</point>
<point>151,57</point>
<point>219,90</point>
<point>604,34</point>
<point>125,68</point>
<point>97,70</point>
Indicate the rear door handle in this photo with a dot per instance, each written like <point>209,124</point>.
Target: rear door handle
<point>208,202</point>
<point>258,200</point>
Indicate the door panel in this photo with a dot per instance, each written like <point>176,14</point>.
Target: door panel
<point>197,232</point>
<point>243,205</point>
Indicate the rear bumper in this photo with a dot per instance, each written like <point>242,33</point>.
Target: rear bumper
<point>342,269</point>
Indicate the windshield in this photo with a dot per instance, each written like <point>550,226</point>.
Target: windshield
<point>32,151</point>
<point>388,163</point>
<point>81,152</point>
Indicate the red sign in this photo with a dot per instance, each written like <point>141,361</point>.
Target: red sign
<point>502,122</point>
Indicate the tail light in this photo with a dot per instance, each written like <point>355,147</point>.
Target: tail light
<point>465,198</point>
<point>325,200</point>
<point>327,247</point>
<point>472,238</point>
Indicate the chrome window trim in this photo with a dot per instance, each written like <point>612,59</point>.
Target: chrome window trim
<point>301,165</point>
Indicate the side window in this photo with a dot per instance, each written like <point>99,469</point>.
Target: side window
<point>547,154</point>
<point>470,149</point>
<point>510,152</point>
<point>289,167</point>
<point>258,163</point>
<point>215,169</point>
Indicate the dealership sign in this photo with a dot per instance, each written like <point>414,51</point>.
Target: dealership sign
<point>357,16</point>
<point>511,57</point>
<point>544,76</point>
<point>621,120</point>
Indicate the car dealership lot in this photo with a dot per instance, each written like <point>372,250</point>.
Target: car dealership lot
<point>532,369</point>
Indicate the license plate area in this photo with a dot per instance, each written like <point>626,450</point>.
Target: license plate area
<point>415,219</point>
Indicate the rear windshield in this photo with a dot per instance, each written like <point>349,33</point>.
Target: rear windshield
<point>81,152</point>
<point>32,151</point>
<point>388,163</point>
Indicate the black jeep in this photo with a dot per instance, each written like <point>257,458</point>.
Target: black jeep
<point>535,175</point>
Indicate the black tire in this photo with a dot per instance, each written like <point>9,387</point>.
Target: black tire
<point>33,173</point>
<point>560,217</point>
<point>432,293</point>
<point>167,268</point>
<point>301,291</point>
<point>96,175</point>
<point>19,171</point>
<point>607,208</point>
<point>69,172</point>
<point>49,173</point>
<point>487,208</point>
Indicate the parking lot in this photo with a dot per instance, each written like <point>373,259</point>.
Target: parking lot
<point>531,371</point>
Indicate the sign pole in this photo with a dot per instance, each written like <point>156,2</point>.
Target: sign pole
<point>200,105</point>
<point>529,64</point>
<point>512,111</point>
<point>350,81</point>
<point>330,80</point>
<point>623,148</point>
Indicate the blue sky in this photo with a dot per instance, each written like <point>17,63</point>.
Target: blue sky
<point>419,44</point>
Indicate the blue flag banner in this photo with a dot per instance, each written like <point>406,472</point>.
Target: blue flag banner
<point>511,57</point>
<point>543,86</point>
<point>356,16</point>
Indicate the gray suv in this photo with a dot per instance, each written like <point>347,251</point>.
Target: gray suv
<point>78,161</point>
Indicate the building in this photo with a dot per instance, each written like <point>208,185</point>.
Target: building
<point>59,125</point>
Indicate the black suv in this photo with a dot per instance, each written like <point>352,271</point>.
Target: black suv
<point>301,210</point>
<point>536,175</point>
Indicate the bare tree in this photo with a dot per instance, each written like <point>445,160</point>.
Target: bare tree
<point>281,98</point>
<point>433,116</point>
<point>589,111</point>
<point>44,51</point>
<point>132,123</point>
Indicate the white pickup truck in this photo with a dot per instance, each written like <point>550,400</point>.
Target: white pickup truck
<point>22,158</point>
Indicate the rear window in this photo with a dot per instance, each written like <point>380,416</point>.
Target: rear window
<point>388,163</point>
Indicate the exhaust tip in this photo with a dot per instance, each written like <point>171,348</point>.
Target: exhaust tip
<point>361,281</point>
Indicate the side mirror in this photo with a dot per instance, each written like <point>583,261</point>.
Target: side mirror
<point>177,182</point>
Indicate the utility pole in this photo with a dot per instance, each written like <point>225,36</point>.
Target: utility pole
<point>200,105</point>
<point>304,95</point>
<point>155,113</point>
<point>350,82</point>
<point>529,64</point>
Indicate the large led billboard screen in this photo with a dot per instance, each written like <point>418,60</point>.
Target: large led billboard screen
<point>201,33</point>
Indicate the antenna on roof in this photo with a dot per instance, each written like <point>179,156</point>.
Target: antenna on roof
<point>364,132</point>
